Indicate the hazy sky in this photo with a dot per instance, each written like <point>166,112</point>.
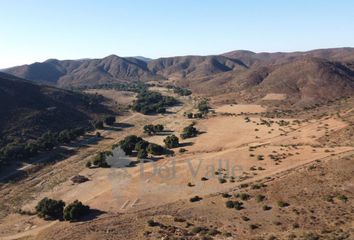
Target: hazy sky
<point>35,30</point>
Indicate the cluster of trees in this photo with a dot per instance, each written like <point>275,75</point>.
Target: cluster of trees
<point>99,160</point>
<point>143,148</point>
<point>189,132</point>
<point>153,129</point>
<point>195,115</point>
<point>55,209</point>
<point>152,102</point>
<point>46,142</point>
<point>180,91</point>
<point>171,141</point>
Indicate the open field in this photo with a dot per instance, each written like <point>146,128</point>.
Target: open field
<point>285,154</point>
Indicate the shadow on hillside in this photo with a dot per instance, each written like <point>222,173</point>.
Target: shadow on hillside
<point>123,125</point>
<point>149,160</point>
<point>164,133</point>
<point>185,144</point>
<point>112,128</point>
<point>94,213</point>
<point>16,173</point>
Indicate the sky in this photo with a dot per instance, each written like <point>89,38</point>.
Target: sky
<point>36,30</point>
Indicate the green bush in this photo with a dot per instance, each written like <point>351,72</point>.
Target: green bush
<point>203,106</point>
<point>189,132</point>
<point>99,160</point>
<point>260,198</point>
<point>195,199</point>
<point>128,143</point>
<point>266,208</point>
<point>142,154</point>
<point>282,204</point>
<point>155,149</point>
<point>75,210</point>
<point>230,204</point>
<point>50,208</point>
<point>171,141</point>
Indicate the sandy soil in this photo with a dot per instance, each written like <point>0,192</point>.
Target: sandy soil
<point>240,108</point>
<point>274,96</point>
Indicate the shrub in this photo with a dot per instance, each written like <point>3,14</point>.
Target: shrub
<point>99,160</point>
<point>260,198</point>
<point>189,132</point>
<point>141,145</point>
<point>50,208</point>
<point>153,129</point>
<point>225,195</point>
<point>203,106</point>
<point>195,199</point>
<point>222,180</point>
<point>230,204</point>
<point>142,154</point>
<point>155,149</point>
<point>152,223</point>
<point>266,207</point>
<point>171,141</point>
<point>253,226</point>
<point>196,230</point>
<point>182,150</point>
<point>282,204</point>
<point>128,143</point>
<point>258,186</point>
<point>243,196</point>
<point>238,205</point>
<point>75,210</point>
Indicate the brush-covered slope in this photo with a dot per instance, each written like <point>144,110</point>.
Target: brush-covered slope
<point>28,110</point>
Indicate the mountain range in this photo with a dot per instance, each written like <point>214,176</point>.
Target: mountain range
<point>306,77</point>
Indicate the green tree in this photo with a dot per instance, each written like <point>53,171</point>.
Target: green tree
<point>142,154</point>
<point>50,208</point>
<point>128,143</point>
<point>189,132</point>
<point>75,210</point>
<point>171,141</point>
<point>155,149</point>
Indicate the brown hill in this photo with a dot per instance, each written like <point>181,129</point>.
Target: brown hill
<point>331,54</point>
<point>304,76</point>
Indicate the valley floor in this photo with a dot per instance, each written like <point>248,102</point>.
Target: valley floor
<point>270,160</point>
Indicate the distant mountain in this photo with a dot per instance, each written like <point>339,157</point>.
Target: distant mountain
<point>331,54</point>
<point>145,59</point>
<point>28,110</point>
<point>303,75</point>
